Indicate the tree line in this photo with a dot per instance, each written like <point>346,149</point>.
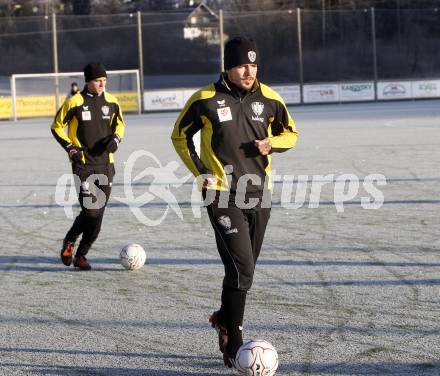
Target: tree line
<point>18,8</point>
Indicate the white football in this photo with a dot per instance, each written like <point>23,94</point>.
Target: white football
<point>132,256</point>
<point>256,358</point>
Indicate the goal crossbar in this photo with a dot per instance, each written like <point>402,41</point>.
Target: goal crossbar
<point>14,78</point>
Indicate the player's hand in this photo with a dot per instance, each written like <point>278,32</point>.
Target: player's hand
<point>74,154</point>
<point>263,146</point>
<point>112,143</point>
<point>209,182</point>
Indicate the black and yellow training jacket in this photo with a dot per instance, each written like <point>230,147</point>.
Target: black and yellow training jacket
<point>89,118</point>
<point>229,125</point>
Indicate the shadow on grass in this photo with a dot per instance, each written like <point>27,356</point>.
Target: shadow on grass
<point>341,369</point>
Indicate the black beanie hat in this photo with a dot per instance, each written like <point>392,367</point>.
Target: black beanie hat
<point>94,70</point>
<point>240,51</point>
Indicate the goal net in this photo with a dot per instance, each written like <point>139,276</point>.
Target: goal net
<point>41,94</point>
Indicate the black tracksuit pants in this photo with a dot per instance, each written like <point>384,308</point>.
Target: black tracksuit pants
<point>94,192</point>
<point>239,234</point>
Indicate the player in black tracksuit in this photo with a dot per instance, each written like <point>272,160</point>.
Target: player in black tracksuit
<point>242,122</point>
<point>95,128</point>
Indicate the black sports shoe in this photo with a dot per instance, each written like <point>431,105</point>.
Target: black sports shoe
<point>66,253</point>
<point>81,263</point>
<point>221,331</point>
<point>229,360</point>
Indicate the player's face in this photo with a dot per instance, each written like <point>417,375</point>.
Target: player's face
<point>243,75</point>
<point>97,86</point>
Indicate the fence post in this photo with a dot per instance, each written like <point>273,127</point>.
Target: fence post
<point>55,60</point>
<point>373,36</point>
<point>324,23</point>
<point>222,40</point>
<point>300,56</point>
<point>14,98</point>
<point>141,60</point>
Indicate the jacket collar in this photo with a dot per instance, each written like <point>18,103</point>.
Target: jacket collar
<point>87,93</point>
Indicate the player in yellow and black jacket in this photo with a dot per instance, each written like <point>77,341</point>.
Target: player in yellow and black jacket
<point>95,128</point>
<point>242,122</point>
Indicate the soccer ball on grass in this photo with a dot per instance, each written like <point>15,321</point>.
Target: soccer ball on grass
<point>256,358</point>
<point>132,257</point>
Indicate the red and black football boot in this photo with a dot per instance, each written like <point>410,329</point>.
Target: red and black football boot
<point>67,253</point>
<point>81,263</point>
<point>221,330</point>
